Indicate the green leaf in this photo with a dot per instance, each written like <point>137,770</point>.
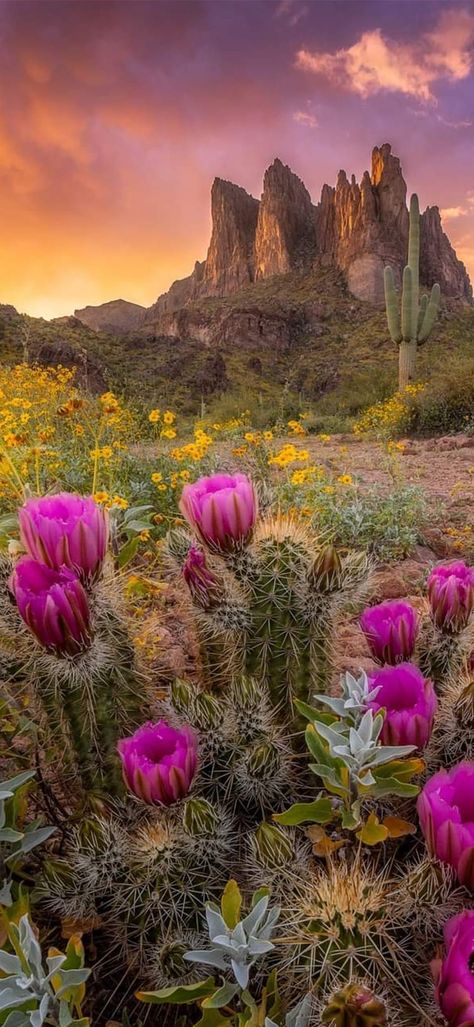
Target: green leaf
<point>128,551</point>
<point>213,1018</point>
<point>231,904</point>
<point>318,812</point>
<point>350,819</point>
<point>372,832</point>
<point>260,894</point>
<point>183,994</point>
<point>308,712</point>
<point>221,997</point>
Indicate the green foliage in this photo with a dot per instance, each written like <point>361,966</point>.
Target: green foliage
<point>31,993</point>
<point>17,838</point>
<point>385,523</point>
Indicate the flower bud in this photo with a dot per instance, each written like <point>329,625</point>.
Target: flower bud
<point>54,606</point>
<point>159,762</point>
<point>65,530</point>
<point>222,509</point>
<point>326,569</point>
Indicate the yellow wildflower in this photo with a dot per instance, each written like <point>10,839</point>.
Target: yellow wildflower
<point>157,477</point>
<point>345,479</point>
<point>101,497</point>
<point>154,416</point>
<point>168,417</point>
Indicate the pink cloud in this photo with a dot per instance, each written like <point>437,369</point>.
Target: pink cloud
<point>375,62</point>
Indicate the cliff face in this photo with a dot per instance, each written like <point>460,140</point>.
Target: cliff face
<point>230,257</point>
<point>286,233</point>
<point>357,228</point>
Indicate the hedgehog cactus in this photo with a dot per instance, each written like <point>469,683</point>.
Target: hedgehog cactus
<point>212,783</point>
<point>269,592</point>
<point>412,329</point>
<point>80,661</point>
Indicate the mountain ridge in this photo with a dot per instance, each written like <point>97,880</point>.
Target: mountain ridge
<point>357,228</point>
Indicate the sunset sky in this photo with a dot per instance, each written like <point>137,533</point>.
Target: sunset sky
<point>116,116</point>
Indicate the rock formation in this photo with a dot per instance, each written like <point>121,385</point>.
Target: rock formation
<point>357,228</point>
<point>286,233</point>
<point>230,257</point>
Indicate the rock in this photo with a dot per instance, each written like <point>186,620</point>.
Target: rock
<point>358,228</point>
<point>286,236</point>
<point>230,257</point>
<point>115,316</point>
<point>438,260</point>
<point>395,581</point>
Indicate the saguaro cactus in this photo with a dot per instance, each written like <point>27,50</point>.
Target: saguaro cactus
<point>412,328</point>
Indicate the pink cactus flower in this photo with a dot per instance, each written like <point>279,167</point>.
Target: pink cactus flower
<point>451,595</point>
<point>222,509</point>
<point>391,630</point>
<point>446,814</point>
<point>65,530</point>
<point>410,703</point>
<point>159,762</point>
<point>454,976</point>
<point>53,604</point>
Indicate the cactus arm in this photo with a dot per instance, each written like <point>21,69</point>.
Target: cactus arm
<point>414,261</point>
<point>431,313</point>
<point>391,306</point>
<point>406,304</point>
<point>422,311</point>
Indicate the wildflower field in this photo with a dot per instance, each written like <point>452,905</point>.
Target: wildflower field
<point>280,832</point>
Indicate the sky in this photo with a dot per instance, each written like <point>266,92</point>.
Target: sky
<point>116,116</point>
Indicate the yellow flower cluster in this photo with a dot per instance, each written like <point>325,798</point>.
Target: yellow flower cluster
<point>390,417</point>
<point>106,500</point>
<point>193,451</point>
<point>296,428</point>
<point>289,454</point>
<point>307,475</point>
<point>167,419</point>
<point>175,479</point>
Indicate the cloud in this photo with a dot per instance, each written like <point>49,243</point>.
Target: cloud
<point>292,11</point>
<point>375,62</point>
<point>450,213</point>
<point>305,118</point>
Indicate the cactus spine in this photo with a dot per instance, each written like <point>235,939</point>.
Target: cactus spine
<point>417,318</point>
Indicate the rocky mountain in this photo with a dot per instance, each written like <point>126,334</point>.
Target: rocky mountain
<point>114,316</point>
<point>357,228</point>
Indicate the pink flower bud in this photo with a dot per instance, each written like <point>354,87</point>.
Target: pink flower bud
<point>53,604</point>
<point>455,979</point>
<point>451,595</point>
<point>202,583</point>
<point>446,814</point>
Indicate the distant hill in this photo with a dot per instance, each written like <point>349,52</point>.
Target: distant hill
<point>115,316</point>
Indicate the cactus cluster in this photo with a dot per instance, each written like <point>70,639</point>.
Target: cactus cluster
<point>411,327</point>
<point>261,784</point>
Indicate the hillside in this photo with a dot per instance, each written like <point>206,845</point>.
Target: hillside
<point>293,339</point>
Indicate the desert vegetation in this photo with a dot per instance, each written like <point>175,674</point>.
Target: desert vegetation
<point>278,834</point>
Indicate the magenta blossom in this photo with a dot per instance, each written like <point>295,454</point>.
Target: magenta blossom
<point>410,703</point>
<point>222,509</point>
<point>65,530</point>
<point>455,979</point>
<point>53,604</point>
<point>451,595</point>
<point>202,583</point>
<point>390,630</point>
<point>159,762</point>
<point>446,814</point>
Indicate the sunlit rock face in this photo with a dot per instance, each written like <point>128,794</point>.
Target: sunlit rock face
<point>357,227</point>
<point>286,231</point>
